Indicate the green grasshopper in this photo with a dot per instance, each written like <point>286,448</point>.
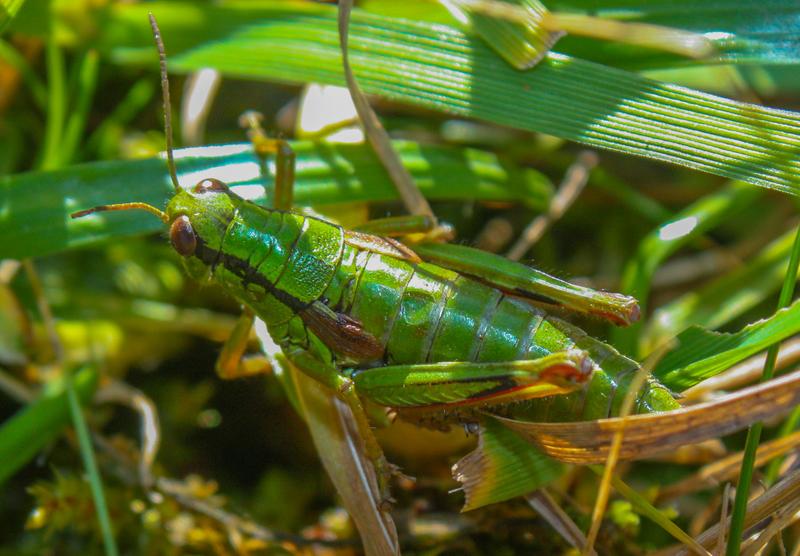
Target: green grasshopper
<point>436,332</point>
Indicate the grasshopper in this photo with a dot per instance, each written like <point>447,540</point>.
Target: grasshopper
<point>438,333</point>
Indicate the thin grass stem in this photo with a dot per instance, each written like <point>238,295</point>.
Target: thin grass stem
<point>651,512</point>
<point>95,482</point>
<point>754,434</point>
<point>76,123</point>
<point>56,106</point>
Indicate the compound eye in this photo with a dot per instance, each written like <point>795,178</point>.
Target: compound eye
<point>182,236</point>
<point>210,184</point>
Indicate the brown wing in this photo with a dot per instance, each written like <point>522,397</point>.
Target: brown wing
<point>341,333</point>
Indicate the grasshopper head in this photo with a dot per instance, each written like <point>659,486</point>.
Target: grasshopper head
<point>198,219</point>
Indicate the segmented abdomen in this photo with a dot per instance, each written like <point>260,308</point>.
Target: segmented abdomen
<point>423,313</point>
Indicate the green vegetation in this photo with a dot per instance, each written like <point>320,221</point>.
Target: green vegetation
<point>116,434</point>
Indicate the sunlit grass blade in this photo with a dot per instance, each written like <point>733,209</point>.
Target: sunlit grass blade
<point>522,31</point>
<point>32,428</point>
<point>701,354</point>
<point>677,41</point>
<point>35,207</point>
<point>90,465</point>
<point>445,69</point>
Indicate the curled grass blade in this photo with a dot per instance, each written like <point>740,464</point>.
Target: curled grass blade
<point>740,31</point>
<point>647,434</point>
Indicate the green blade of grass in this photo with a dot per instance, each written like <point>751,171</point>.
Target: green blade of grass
<point>445,69</point>
<point>522,31</point>
<point>701,354</point>
<point>89,463</point>
<point>56,106</point>
<point>681,229</point>
<point>35,207</point>
<point>723,299</point>
<point>32,428</point>
<point>754,434</point>
<point>76,122</point>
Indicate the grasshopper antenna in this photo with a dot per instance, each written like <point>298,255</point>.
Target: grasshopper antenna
<point>162,59</point>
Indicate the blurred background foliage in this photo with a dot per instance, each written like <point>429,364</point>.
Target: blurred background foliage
<point>80,125</point>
